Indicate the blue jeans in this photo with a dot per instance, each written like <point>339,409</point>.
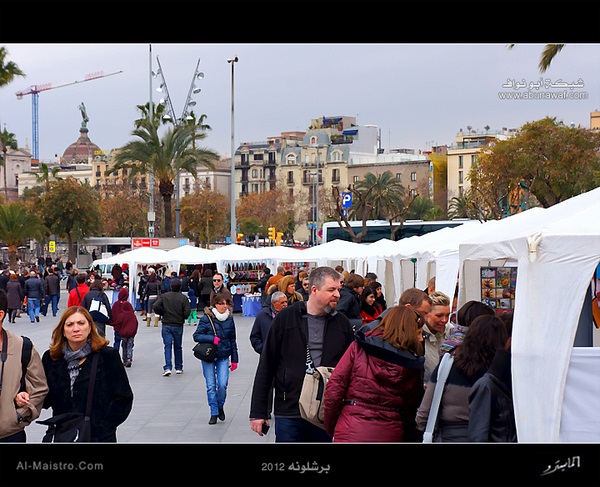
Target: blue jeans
<point>172,338</point>
<point>298,430</point>
<point>33,308</point>
<point>216,375</point>
<point>127,344</point>
<point>51,299</point>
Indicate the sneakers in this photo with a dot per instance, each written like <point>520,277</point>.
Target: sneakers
<point>179,372</point>
<point>221,414</point>
<point>212,420</point>
<point>166,373</point>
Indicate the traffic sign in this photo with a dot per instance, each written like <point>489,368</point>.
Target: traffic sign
<point>346,200</point>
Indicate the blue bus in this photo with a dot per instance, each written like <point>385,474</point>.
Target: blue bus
<point>378,229</point>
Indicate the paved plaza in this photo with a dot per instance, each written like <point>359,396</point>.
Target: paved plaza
<point>168,409</point>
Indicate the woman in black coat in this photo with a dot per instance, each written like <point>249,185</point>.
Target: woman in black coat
<point>74,341</point>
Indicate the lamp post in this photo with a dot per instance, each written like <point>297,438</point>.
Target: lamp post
<point>232,61</point>
<point>186,116</point>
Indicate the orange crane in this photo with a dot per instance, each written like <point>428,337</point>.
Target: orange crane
<point>35,90</point>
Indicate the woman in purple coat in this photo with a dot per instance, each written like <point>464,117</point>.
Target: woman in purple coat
<point>376,387</point>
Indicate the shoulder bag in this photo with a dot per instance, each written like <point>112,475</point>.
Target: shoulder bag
<point>206,351</point>
<point>432,419</point>
<point>313,392</point>
<point>73,427</point>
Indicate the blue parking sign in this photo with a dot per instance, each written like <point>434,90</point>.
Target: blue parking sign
<point>346,200</point>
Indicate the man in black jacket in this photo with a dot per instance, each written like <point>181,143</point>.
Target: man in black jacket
<point>283,359</point>
<point>174,307</point>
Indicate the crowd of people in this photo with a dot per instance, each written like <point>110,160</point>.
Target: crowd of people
<point>385,357</point>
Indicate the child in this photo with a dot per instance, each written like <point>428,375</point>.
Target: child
<point>125,324</point>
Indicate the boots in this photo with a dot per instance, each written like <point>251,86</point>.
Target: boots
<point>156,320</point>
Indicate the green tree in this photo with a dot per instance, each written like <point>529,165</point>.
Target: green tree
<point>8,69</point>
<point>421,208</point>
<point>376,196</point>
<point>165,157</point>
<point>46,173</point>
<point>17,224</point>
<point>70,209</point>
<point>550,160</point>
<point>8,141</point>
<point>548,54</point>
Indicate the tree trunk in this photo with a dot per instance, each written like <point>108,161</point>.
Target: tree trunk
<point>167,204</point>
<point>12,257</point>
<point>5,185</point>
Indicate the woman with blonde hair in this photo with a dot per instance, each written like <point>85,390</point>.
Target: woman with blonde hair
<point>67,368</point>
<point>376,387</point>
<point>287,285</point>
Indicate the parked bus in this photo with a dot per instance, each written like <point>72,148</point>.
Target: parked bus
<point>378,229</point>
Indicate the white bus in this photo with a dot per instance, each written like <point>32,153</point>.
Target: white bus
<point>378,229</point>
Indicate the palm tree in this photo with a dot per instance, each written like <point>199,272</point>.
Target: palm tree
<point>17,224</point>
<point>421,208</point>
<point>385,197</point>
<point>8,70</point>
<point>45,174</point>
<point>548,54</point>
<point>8,141</point>
<point>165,157</point>
<point>459,207</point>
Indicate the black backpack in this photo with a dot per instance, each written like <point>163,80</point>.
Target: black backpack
<point>25,358</point>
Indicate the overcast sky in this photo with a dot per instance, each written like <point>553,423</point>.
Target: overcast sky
<point>419,95</point>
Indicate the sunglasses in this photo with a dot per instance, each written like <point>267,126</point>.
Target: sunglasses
<point>216,280</point>
<point>419,318</point>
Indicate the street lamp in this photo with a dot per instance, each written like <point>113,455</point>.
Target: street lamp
<point>186,116</point>
<point>233,222</point>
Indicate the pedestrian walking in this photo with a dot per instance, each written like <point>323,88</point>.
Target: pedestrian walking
<point>23,390</point>
<point>174,307</point>
<point>125,323</point>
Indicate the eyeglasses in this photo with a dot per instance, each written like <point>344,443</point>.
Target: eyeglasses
<point>216,280</point>
<point>419,318</point>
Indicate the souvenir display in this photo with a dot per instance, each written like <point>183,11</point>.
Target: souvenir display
<point>498,287</point>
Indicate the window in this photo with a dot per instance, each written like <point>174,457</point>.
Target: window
<point>398,176</point>
<point>474,159</point>
<point>460,162</point>
<point>254,173</point>
<point>413,176</point>
<point>413,192</point>
<point>255,188</point>
<point>291,193</point>
<point>460,177</point>
<point>291,159</point>
<point>335,176</point>
<point>313,140</point>
<point>259,157</point>
<point>337,156</point>
<point>355,179</point>
<point>290,177</point>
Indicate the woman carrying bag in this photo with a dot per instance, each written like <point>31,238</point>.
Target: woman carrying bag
<point>67,368</point>
<point>216,374</point>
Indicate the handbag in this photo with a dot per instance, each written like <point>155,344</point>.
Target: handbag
<point>73,427</point>
<point>443,371</point>
<point>98,310</point>
<point>313,392</point>
<point>206,351</point>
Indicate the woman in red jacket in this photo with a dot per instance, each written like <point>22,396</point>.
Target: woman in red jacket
<point>376,387</point>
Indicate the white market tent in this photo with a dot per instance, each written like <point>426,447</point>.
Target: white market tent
<point>135,258</point>
<point>556,250</point>
<point>189,254</point>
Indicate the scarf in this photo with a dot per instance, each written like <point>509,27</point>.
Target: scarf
<point>220,316</point>
<point>73,358</point>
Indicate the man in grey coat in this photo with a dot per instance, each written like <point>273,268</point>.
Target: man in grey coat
<point>174,307</point>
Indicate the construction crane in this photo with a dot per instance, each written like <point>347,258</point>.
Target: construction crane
<point>35,90</point>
